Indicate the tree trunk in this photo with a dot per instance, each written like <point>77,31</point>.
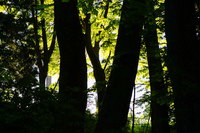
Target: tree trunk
<point>42,61</point>
<point>93,53</point>
<point>183,57</point>
<point>159,107</point>
<point>94,58</point>
<point>113,115</point>
<point>73,71</point>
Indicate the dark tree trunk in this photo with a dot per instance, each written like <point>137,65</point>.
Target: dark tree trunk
<point>73,71</point>
<point>42,61</point>
<point>94,58</point>
<point>183,58</point>
<point>113,115</point>
<point>93,53</point>
<point>159,107</point>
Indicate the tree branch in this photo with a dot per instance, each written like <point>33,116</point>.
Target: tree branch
<point>38,54</point>
<point>107,61</point>
<point>44,38</point>
<point>96,46</point>
<point>53,42</point>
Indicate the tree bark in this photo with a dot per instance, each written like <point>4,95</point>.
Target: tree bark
<point>93,53</point>
<point>182,62</point>
<point>42,60</point>
<point>159,107</point>
<point>113,115</point>
<point>94,58</point>
<point>73,71</point>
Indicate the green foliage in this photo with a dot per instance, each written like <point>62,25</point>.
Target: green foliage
<point>17,50</point>
<point>104,29</point>
<point>22,115</point>
<point>142,128</point>
<point>23,107</point>
<point>90,121</point>
<point>141,124</point>
<point>54,64</point>
<point>65,0</point>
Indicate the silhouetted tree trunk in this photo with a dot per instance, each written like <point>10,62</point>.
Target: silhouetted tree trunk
<point>94,58</point>
<point>73,71</point>
<point>113,115</point>
<point>159,107</point>
<point>93,53</point>
<point>183,58</point>
<point>42,59</point>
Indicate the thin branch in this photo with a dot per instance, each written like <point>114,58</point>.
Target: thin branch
<point>53,43</point>
<point>56,83</point>
<point>107,60</point>
<point>44,38</point>
<point>106,10</point>
<point>94,60</point>
<point>38,54</point>
<point>133,124</point>
<point>96,46</point>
